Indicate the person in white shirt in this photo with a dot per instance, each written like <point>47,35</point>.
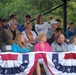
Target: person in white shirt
<point>29,35</point>
<point>41,26</point>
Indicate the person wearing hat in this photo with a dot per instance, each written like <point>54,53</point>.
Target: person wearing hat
<point>54,25</point>
<point>4,38</point>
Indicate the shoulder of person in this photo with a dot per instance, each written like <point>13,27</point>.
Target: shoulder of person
<point>70,45</point>
<point>54,43</point>
<point>46,23</point>
<point>65,43</point>
<point>32,31</point>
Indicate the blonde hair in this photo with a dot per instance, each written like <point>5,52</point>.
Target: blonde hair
<point>18,41</point>
<point>41,35</point>
<point>26,24</point>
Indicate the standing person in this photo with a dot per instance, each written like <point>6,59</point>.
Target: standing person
<point>71,30</point>
<point>59,44</point>
<point>12,31</point>
<point>42,45</point>
<point>14,17</point>
<point>41,26</point>
<point>27,18</point>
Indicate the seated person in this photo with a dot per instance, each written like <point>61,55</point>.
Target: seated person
<point>41,26</point>
<point>71,30</point>
<point>42,45</point>
<point>4,24</point>
<point>20,45</point>
<point>13,16</point>
<point>54,25</point>
<point>29,35</point>
<point>27,18</point>
<point>72,45</point>
<point>12,31</point>
<point>4,38</point>
<point>59,44</point>
<point>52,39</point>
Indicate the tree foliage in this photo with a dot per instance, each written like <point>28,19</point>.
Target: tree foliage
<point>34,7</point>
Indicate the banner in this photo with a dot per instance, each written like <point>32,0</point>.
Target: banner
<point>63,63</point>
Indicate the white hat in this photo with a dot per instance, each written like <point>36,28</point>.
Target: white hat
<point>53,21</point>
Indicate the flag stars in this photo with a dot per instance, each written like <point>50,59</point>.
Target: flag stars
<point>63,69</point>
<point>69,69</point>
<point>26,61</point>
<point>58,67</point>
<point>54,60</point>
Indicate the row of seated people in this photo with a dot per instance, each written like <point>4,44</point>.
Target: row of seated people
<point>28,39</point>
<point>40,25</point>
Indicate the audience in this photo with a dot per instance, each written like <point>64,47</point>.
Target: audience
<point>12,31</point>
<point>4,38</point>
<point>40,25</point>
<point>42,45</point>
<point>72,45</point>
<point>14,17</point>
<point>71,30</point>
<point>59,44</point>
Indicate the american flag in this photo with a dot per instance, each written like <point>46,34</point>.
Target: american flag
<point>63,63</point>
